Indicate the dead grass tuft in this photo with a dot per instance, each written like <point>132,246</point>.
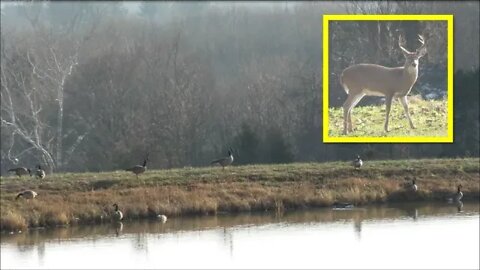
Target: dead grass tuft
<point>12,221</point>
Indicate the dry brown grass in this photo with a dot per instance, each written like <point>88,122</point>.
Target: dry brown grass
<point>86,198</point>
<point>13,221</point>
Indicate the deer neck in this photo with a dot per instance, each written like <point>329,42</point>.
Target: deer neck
<point>411,71</point>
<point>410,75</point>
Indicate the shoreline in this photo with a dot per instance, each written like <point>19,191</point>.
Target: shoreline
<point>87,198</point>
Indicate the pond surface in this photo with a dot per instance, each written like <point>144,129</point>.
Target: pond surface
<point>393,236</point>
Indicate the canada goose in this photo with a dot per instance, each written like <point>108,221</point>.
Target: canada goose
<point>139,169</point>
<point>162,218</point>
<point>413,186</point>
<point>357,163</point>
<point>342,205</point>
<point>40,173</point>
<point>457,197</point>
<point>27,194</point>
<point>21,171</point>
<point>224,162</point>
<point>117,215</point>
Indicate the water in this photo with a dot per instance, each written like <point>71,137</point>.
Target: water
<point>396,236</point>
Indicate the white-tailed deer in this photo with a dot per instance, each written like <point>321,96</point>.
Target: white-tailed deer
<point>375,80</point>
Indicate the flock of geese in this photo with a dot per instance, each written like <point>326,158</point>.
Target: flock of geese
<point>118,215</point>
<point>137,169</point>
<point>20,171</point>
<point>357,163</point>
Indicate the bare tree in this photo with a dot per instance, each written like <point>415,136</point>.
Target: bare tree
<point>21,110</point>
<point>48,59</point>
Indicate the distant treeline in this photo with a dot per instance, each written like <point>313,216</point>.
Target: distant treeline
<point>91,87</point>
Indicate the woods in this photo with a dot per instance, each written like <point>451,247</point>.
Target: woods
<point>94,86</point>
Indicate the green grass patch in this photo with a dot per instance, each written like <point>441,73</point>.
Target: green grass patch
<point>428,116</point>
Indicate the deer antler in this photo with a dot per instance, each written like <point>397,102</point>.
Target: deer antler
<point>401,43</point>
<point>423,49</point>
<point>421,39</point>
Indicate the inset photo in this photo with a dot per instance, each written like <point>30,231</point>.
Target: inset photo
<point>388,78</point>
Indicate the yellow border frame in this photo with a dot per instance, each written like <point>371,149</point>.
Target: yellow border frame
<point>416,139</point>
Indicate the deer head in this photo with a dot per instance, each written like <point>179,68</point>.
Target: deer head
<point>411,58</point>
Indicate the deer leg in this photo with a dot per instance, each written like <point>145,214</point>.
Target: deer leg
<point>388,103</point>
<point>355,102</point>
<point>403,100</point>
<point>351,101</point>
<point>349,121</point>
<point>346,112</point>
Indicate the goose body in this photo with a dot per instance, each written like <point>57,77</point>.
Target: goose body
<point>27,194</point>
<point>162,218</point>
<point>21,171</point>
<point>117,215</point>
<point>459,195</point>
<point>343,205</point>
<point>138,169</point>
<point>224,162</point>
<point>413,186</point>
<point>357,163</point>
<point>40,173</point>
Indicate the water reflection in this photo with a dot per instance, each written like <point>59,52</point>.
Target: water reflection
<point>355,215</point>
<point>41,253</point>
<point>232,237</point>
<point>459,206</point>
<point>357,224</point>
<point>118,228</point>
<point>412,212</point>
<point>140,242</point>
<point>228,239</point>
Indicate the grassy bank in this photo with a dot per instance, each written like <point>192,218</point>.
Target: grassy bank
<point>87,197</point>
<point>428,116</point>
